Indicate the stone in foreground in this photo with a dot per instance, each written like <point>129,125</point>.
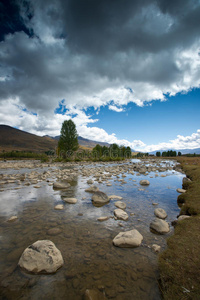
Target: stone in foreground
<point>159,226</point>
<point>70,200</point>
<point>181,191</point>
<point>128,239</point>
<point>160,213</point>
<point>92,189</point>
<point>41,257</point>
<point>156,248</point>
<point>101,219</point>
<point>93,295</point>
<point>114,197</point>
<point>120,204</point>
<point>100,198</point>
<point>120,214</point>
<point>61,185</point>
<point>144,182</point>
<point>59,207</point>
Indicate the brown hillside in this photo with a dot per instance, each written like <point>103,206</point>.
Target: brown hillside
<point>15,139</point>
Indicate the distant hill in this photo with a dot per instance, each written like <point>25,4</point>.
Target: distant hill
<point>15,139</point>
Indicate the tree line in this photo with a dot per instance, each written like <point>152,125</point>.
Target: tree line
<point>169,153</point>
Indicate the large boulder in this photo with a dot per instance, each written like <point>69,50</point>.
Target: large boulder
<point>159,226</point>
<point>160,213</point>
<point>61,185</point>
<point>120,214</point>
<point>128,239</point>
<point>99,198</point>
<point>120,204</point>
<point>41,257</point>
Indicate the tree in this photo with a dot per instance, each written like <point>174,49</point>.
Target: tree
<point>68,137</point>
<point>158,153</point>
<point>179,153</point>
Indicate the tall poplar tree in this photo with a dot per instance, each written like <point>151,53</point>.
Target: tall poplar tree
<point>68,137</point>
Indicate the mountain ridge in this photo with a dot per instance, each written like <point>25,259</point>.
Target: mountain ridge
<point>16,139</point>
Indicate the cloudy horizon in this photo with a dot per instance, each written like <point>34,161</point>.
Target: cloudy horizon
<point>125,72</point>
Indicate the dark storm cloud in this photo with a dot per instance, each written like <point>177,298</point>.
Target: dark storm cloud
<point>80,49</point>
<point>11,20</point>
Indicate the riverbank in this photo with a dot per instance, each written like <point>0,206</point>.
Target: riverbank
<point>179,265</point>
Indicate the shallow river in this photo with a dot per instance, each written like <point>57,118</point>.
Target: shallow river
<point>91,261</point>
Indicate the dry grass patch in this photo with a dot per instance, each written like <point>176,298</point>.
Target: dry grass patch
<point>180,264</point>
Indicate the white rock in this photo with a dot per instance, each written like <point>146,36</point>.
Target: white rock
<point>160,226</point>
<point>115,197</point>
<point>160,213</point>
<point>183,217</point>
<point>128,239</point>
<point>41,257</point>
<point>156,248</point>
<point>61,185</point>
<point>120,214</point>
<point>59,207</point>
<point>70,200</point>
<point>120,204</point>
<point>12,219</point>
<point>181,191</point>
<point>144,182</point>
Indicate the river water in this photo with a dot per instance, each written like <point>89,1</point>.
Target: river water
<point>91,261</point>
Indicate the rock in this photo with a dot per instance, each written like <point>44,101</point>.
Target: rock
<point>154,203</point>
<point>156,248</point>
<point>93,295</point>
<point>90,181</point>
<point>160,213</point>
<point>181,191</point>
<point>120,214</point>
<point>101,219</point>
<point>59,207</point>
<point>12,219</point>
<point>92,189</point>
<point>70,200</point>
<point>61,185</point>
<point>144,182</point>
<point>120,204</point>
<point>183,217</point>
<point>100,198</point>
<point>115,197</point>
<point>160,226</point>
<point>41,257</point>
<point>128,239</point>
<point>54,231</point>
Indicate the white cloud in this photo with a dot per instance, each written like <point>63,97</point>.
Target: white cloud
<point>115,108</point>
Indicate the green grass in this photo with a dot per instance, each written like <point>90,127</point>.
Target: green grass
<point>179,264</point>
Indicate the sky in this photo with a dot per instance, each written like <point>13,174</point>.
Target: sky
<point>125,71</point>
